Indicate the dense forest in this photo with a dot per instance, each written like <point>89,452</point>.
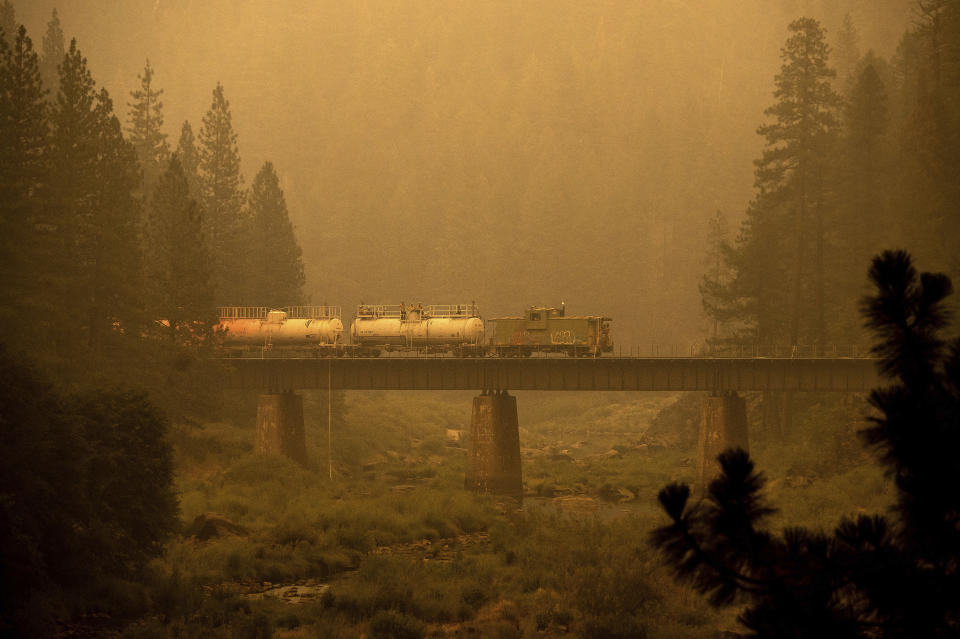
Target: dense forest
<point>511,154</point>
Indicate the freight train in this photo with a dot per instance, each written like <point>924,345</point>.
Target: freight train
<point>382,329</point>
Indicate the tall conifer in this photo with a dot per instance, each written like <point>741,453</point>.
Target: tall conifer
<point>23,137</point>
<point>177,260</point>
<point>93,265</point>
<point>189,158</point>
<point>847,52</point>
<point>145,128</point>
<point>864,222</point>
<point>53,51</point>
<point>780,256</point>
<point>275,265</point>
<point>117,276</point>
<point>221,197</point>
<point>718,303</point>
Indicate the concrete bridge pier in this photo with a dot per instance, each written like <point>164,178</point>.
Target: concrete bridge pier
<point>493,462</point>
<point>723,425</point>
<point>280,428</point>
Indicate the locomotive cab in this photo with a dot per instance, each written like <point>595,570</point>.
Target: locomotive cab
<point>538,316</point>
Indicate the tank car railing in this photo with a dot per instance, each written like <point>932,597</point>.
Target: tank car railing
<point>244,312</point>
<point>377,311</point>
<point>452,310</point>
<point>312,312</point>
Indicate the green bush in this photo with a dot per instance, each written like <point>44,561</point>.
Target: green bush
<point>173,595</point>
<point>256,626</point>
<point>389,624</point>
<point>86,495</point>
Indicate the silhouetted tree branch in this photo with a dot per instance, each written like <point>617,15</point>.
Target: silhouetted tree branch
<point>873,576</point>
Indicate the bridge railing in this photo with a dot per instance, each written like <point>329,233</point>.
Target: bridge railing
<point>744,350</point>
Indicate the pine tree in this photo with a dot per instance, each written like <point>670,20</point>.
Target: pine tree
<point>874,576</point>
<point>758,292</point>
<point>69,212</point>
<point>93,265</point>
<point>23,137</point>
<point>53,51</point>
<point>866,120</point>
<point>864,219</point>
<point>145,128</point>
<point>177,260</point>
<point>781,252</point>
<point>847,52</point>
<point>221,198</point>
<point>116,275</point>
<point>276,268</point>
<point>189,158</point>
<point>715,292</point>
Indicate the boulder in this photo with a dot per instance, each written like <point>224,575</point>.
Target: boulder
<point>211,525</point>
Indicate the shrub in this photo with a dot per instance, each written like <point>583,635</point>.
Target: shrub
<point>86,490</point>
<point>389,624</point>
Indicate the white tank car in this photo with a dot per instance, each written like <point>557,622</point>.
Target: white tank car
<point>296,326</point>
<point>396,326</point>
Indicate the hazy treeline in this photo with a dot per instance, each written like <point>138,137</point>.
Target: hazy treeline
<point>432,151</point>
<point>861,153</point>
<point>110,231</point>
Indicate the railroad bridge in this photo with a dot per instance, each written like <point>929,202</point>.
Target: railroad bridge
<point>494,461</point>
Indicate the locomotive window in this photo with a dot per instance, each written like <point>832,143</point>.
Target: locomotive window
<point>534,317</point>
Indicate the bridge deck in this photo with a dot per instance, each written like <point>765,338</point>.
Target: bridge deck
<point>552,374</point>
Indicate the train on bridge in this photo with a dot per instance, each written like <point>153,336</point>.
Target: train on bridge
<point>400,329</point>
